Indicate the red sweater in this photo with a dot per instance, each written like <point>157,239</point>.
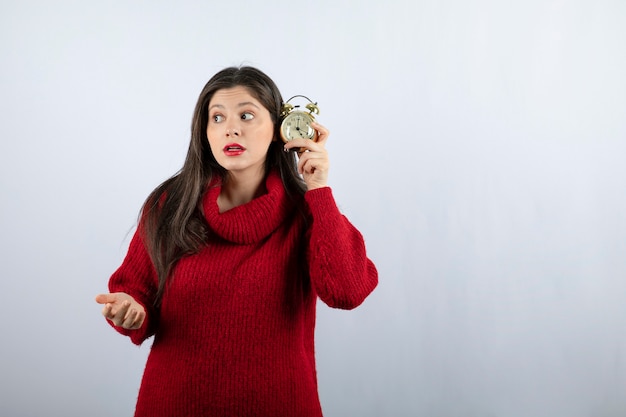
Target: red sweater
<point>235,332</point>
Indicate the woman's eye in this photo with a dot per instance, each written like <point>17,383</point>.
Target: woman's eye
<point>247,116</point>
<point>217,118</point>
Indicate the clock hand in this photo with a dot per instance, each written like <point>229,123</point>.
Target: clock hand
<point>302,132</point>
<point>307,132</point>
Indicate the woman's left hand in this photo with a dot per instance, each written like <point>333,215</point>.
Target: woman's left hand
<point>313,160</point>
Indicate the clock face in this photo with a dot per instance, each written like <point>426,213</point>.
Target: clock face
<point>297,125</point>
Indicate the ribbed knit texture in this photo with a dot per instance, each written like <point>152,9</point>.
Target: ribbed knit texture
<point>235,333</point>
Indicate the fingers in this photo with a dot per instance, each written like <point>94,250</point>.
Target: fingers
<point>122,312</point>
<point>133,319</point>
<point>309,145</point>
<point>322,133</point>
<point>313,160</point>
<point>313,165</point>
<point>106,298</point>
<point>116,312</point>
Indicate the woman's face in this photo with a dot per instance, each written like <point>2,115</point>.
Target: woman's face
<point>240,131</point>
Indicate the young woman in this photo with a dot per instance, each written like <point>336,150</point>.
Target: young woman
<point>229,257</point>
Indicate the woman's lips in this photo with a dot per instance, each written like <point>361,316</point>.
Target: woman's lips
<point>233,149</point>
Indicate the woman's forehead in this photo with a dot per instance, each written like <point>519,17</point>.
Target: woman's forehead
<point>234,98</point>
<point>233,94</point>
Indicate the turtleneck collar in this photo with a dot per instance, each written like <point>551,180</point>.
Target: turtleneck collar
<point>251,222</point>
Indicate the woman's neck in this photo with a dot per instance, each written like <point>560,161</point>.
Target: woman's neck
<point>240,189</point>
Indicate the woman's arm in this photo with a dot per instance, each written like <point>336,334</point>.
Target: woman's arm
<point>341,273</point>
<point>129,307</point>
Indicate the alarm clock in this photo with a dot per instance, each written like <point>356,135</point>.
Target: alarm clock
<point>296,123</point>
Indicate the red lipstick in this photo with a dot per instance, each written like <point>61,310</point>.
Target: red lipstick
<point>233,149</point>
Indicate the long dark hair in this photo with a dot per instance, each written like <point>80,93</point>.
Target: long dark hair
<point>171,220</point>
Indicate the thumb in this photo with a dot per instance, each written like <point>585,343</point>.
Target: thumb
<point>106,298</point>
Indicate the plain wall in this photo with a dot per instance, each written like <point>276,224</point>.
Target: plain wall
<point>478,146</point>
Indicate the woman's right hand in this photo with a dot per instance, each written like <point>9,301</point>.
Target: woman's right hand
<point>122,310</point>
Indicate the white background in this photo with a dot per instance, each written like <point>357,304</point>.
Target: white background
<point>478,145</point>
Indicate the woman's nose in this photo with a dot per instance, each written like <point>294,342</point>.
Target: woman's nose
<point>233,131</point>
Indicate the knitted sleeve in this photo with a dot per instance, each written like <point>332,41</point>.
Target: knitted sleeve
<point>137,277</point>
<point>341,273</point>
